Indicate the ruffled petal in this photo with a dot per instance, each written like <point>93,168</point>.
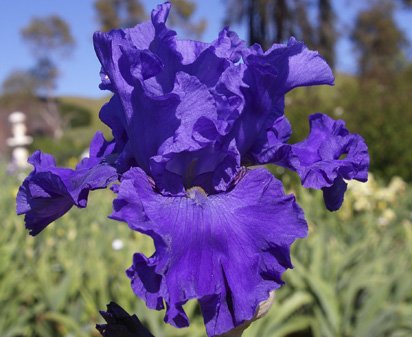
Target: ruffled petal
<point>190,50</point>
<point>157,78</point>
<point>263,80</point>
<point>145,101</point>
<point>258,104</point>
<point>137,54</point>
<point>42,197</point>
<point>329,154</point>
<point>199,126</point>
<point>271,146</point>
<point>216,58</point>
<point>179,134</point>
<point>212,167</point>
<point>293,65</point>
<point>203,243</point>
<point>49,191</point>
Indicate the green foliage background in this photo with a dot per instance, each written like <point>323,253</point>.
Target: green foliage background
<point>351,278</point>
<point>380,112</point>
<point>352,275</point>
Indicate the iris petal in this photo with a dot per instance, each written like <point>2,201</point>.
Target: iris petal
<point>158,79</point>
<point>140,73</point>
<point>203,243</point>
<point>293,65</point>
<point>50,191</point>
<point>329,154</point>
<point>271,146</point>
<point>263,80</point>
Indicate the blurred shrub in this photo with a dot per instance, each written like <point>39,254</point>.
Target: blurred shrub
<point>75,115</point>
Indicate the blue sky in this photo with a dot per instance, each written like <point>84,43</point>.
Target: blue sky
<point>80,72</point>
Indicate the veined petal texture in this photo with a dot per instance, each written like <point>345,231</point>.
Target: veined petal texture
<point>204,243</point>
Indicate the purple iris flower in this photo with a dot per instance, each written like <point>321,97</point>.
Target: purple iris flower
<point>186,118</point>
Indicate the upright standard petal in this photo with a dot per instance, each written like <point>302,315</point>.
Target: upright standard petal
<point>203,243</point>
<point>328,155</point>
<point>49,191</point>
<point>293,65</point>
<point>264,79</point>
<point>157,79</point>
<point>156,82</point>
<point>209,65</point>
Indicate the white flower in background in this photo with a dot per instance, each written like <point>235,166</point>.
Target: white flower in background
<point>117,244</point>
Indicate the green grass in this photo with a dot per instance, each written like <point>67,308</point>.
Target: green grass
<point>351,276</point>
